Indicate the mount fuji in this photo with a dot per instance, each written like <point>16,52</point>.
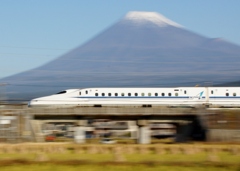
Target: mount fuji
<point>143,49</point>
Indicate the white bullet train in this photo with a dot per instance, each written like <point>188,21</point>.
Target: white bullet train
<point>146,97</point>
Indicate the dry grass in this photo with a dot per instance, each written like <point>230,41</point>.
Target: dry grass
<point>122,153</point>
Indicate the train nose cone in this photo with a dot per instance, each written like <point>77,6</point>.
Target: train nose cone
<point>32,103</point>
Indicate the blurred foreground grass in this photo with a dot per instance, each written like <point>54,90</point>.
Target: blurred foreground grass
<point>49,167</point>
<point>91,157</point>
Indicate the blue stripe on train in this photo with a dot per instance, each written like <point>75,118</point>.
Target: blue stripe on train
<point>167,97</point>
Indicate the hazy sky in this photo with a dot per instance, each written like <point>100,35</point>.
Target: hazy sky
<point>34,32</point>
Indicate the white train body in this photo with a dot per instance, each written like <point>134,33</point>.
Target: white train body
<point>180,96</point>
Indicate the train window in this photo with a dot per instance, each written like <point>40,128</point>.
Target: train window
<point>62,92</point>
<point>136,94</point>
<point>103,94</point>
<point>156,94</point>
<point>109,94</point>
<point>142,94</point>
<point>227,94</point>
<point>96,94</point>
<point>176,94</point>
<point>122,94</point>
<point>116,94</point>
<point>185,92</point>
<point>234,94</point>
<point>129,94</point>
<point>169,94</point>
<point>163,94</point>
<point>149,94</point>
<point>80,93</point>
<point>212,92</point>
<point>86,92</point>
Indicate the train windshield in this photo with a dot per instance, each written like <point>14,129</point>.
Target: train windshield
<point>61,92</point>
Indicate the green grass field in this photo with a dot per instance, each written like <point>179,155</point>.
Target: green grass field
<point>71,157</point>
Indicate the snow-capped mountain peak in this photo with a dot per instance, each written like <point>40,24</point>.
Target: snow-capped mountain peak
<point>139,17</point>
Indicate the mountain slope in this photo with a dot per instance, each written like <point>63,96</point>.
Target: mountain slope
<point>142,49</point>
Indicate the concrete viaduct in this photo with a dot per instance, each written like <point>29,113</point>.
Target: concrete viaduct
<point>188,121</point>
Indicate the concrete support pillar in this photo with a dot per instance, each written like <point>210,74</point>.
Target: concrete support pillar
<point>27,132</point>
<point>79,135</point>
<point>144,134</point>
<point>36,126</point>
<point>80,132</point>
